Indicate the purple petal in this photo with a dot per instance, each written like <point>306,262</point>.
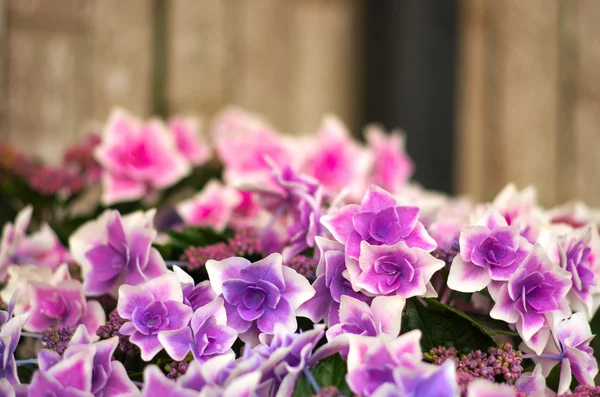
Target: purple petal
<point>297,288</point>
<point>118,383</point>
<point>362,223</point>
<point>376,199</point>
<point>234,320</point>
<point>131,298</point>
<point>340,225</point>
<point>467,277</point>
<point>177,343</point>
<point>282,314</point>
<point>470,238</point>
<point>504,307</point>
<point>75,371</point>
<point>419,238</point>
<point>165,288</point>
<point>267,269</point>
<point>149,345</point>
<point>221,271</point>
<point>317,307</point>
<point>234,290</point>
<point>179,315</point>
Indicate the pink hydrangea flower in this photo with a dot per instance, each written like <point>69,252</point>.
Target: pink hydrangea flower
<point>336,160</point>
<point>392,167</point>
<point>137,157</point>
<point>212,206</point>
<point>188,139</point>
<point>62,305</point>
<point>243,142</point>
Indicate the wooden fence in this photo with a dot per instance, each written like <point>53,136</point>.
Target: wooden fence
<point>529,108</point>
<point>64,63</point>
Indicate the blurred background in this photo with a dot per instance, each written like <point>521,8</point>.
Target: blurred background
<point>488,92</point>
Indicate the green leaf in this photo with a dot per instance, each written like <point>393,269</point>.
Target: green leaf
<point>486,324</point>
<point>197,237</point>
<point>329,372</point>
<point>443,327</point>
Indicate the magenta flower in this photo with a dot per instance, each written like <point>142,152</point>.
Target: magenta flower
<point>382,318</point>
<point>137,158</point>
<point>109,377</point>
<point>492,250</point>
<point>189,142</point>
<point>41,249</point>
<point>533,297</point>
<point>152,308</point>
<point>576,257</point>
<point>392,167</point>
<point>331,284</point>
<point>114,249</point>
<point>212,206</point>
<point>484,388</point>
<point>336,160</point>
<point>10,333</point>
<point>62,305</point>
<point>258,295</point>
<point>243,142</point>
<point>378,220</point>
<point>209,379</point>
<point>394,269</point>
<point>207,336</point>
<point>377,367</point>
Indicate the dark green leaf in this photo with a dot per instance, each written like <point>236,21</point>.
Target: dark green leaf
<point>442,327</point>
<point>197,237</point>
<point>329,372</point>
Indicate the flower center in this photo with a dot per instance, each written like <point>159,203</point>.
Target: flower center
<point>385,227</point>
<point>254,297</point>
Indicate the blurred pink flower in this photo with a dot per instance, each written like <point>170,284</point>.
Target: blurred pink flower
<point>137,157</point>
<point>189,142</point>
<point>212,206</point>
<point>391,165</point>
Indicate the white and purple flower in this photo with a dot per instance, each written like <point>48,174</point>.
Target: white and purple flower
<point>533,298</point>
<point>152,308</point>
<point>491,250</point>
<point>258,295</point>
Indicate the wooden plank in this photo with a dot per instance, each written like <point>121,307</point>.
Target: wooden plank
<point>47,103</point>
<point>522,95</point>
<point>326,64</point>
<point>469,153</point>
<point>121,56</point>
<point>3,69</point>
<point>197,49</point>
<point>586,113</point>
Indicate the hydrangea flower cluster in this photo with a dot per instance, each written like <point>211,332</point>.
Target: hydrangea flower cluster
<point>279,266</point>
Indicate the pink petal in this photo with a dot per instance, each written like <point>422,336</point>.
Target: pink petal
<point>467,277</point>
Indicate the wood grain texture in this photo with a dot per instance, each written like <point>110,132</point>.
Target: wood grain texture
<point>3,68</point>
<point>292,61</point>
<point>120,41</point>
<point>46,100</point>
<point>470,118</point>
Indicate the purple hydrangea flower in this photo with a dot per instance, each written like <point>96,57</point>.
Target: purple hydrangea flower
<point>210,379</point>
<point>533,383</point>
<point>533,298</point>
<point>484,388</point>
<point>571,348</point>
<point>152,308</point>
<point>12,390</point>
<point>195,296</point>
<point>378,220</point>
<point>62,305</point>
<point>10,333</point>
<point>85,369</point>
<point>378,367</point>
<point>330,285</point>
<point>491,250</point>
<point>207,336</point>
<point>114,249</point>
<point>258,295</point>
<point>575,257</point>
<point>285,356</point>
<point>382,318</point>
<point>394,270</point>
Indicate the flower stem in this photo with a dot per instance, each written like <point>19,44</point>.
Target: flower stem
<point>556,357</point>
<point>27,361</point>
<point>32,335</point>
<point>312,380</point>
